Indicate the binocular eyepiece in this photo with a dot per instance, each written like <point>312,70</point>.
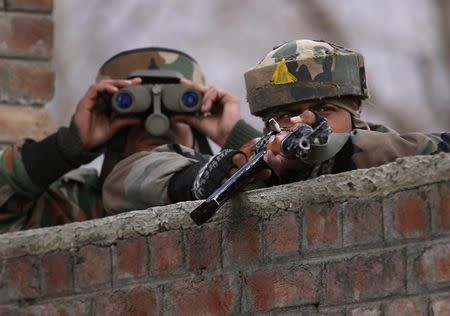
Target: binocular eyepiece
<point>156,99</point>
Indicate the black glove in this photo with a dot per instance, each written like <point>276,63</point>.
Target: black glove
<point>211,175</point>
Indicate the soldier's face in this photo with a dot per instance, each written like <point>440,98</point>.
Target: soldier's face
<point>140,140</point>
<point>339,119</point>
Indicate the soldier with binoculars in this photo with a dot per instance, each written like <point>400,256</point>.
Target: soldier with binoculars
<point>148,104</point>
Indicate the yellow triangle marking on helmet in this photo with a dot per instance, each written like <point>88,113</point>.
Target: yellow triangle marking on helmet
<point>281,75</point>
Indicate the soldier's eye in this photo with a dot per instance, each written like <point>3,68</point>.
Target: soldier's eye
<point>327,108</point>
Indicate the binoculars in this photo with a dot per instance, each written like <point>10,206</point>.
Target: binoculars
<point>157,100</point>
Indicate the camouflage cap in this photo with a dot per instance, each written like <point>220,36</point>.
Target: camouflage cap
<point>304,70</point>
<point>154,58</point>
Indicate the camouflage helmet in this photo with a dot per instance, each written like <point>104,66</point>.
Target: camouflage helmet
<point>303,70</point>
<point>151,58</point>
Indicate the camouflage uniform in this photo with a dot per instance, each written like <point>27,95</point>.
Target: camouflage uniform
<point>36,189</point>
<point>33,193</point>
<point>162,176</point>
<point>305,70</point>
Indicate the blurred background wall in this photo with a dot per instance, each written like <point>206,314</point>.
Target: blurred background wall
<point>405,42</point>
<point>26,70</point>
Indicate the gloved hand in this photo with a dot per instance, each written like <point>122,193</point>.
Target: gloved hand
<point>216,171</point>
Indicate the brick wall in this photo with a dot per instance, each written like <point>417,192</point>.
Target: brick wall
<point>368,242</point>
<point>26,75</point>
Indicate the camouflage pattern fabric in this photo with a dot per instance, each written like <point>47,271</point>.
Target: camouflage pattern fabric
<point>377,146</point>
<point>156,58</point>
<point>304,70</point>
<point>77,195</point>
<point>370,148</point>
<point>23,205</point>
<point>142,179</point>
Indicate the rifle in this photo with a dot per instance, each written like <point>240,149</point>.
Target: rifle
<point>295,144</point>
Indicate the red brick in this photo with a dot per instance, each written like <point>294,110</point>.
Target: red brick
<point>94,267</point>
<point>407,216</point>
<point>243,243</point>
<point>30,5</point>
<point>441,307</point>
<point>72,308</point>
<point>25,35</point>
<point>20,279</point>
<point>322,227</point>
<point>362,222</point>
<point>282,235</point>
<point>33,82</point>
<point>324,312</point>
<point>218,296</point>
<point>26,82</point>
<point>141,300</point>
<point>131,259</point>
<point>57,273</point>
<point>166,252</point>
<point>364,277</point>
<point>365,311</point>
<point>282,287</point>
<point>406,307</point>
<point>444,209</point>
<point>203,244</point>
<point>24,122</point>
<point>432,266</point>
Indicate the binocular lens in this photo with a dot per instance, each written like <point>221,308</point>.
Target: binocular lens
<point>190,99</point>
<point>124,100</point>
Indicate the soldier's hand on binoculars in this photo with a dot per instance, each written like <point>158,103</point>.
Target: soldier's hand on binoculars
<point>92,116</point>
<point>220,111</point>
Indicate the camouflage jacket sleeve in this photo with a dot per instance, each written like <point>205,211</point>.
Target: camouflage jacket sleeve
<point>29,192</point>
<point>369,148</point>
<point>374,148</point>
<point>241,134</point>
<point>25,205</point>
<point>142,180</point>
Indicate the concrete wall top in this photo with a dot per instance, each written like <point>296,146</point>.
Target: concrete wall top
<point>402,174</point>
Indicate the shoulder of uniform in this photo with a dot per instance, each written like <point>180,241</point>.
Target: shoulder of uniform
<point>81,175</point>
<point>381,128</point>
